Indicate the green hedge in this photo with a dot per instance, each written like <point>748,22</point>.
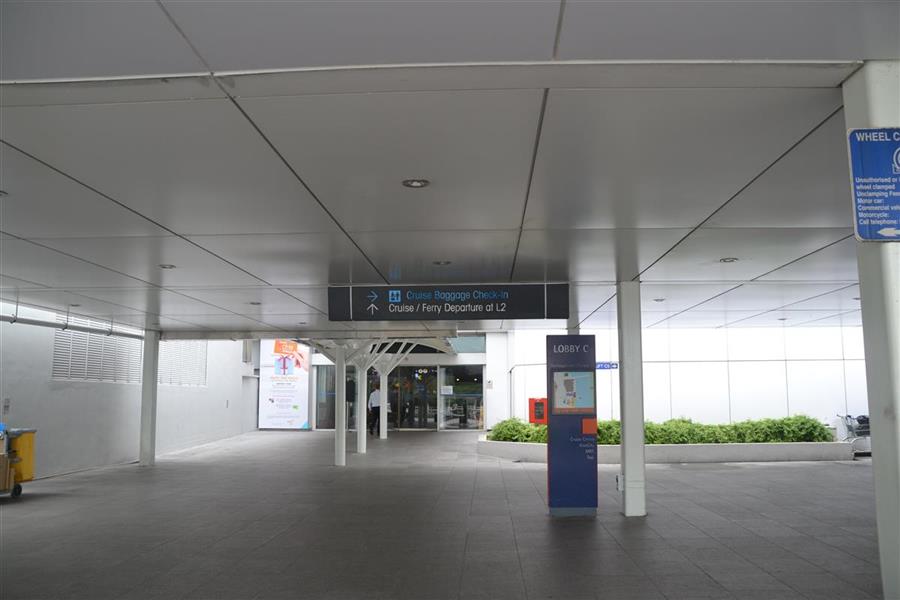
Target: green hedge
<point>517,430</point>
<point>683,431</point>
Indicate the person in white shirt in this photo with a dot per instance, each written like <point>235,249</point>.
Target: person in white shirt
<point>374,408</point>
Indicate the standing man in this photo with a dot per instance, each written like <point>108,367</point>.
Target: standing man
<point>374,408</point>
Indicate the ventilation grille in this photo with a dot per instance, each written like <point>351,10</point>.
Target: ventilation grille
<point>183,362</point>
<point>79,356</point>
<point>83,356</point>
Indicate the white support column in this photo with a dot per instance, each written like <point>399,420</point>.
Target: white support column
<point>872,99</point>
<point>311,395</point>
<point>572,322</point>
<point>631,398</point>
<point>362,400</point>
<point>383,409</point>
<point>149,376</point>
<point>340,407</point>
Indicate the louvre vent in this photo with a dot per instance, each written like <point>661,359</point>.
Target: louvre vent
<point>79,356</point>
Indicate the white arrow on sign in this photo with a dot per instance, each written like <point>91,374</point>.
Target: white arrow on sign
<point>371,308</point>
<point>889,232</point>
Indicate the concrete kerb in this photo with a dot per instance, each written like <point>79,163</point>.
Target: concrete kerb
<point>685,453</point>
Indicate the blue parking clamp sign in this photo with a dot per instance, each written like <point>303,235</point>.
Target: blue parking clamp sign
<point>875,180</point>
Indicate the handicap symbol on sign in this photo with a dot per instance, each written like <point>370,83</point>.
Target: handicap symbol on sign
<point>394,296</point>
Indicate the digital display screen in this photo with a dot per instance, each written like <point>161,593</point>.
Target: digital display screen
<point>573,392</point>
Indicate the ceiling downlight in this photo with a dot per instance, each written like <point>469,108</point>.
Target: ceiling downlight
<point>416,184</point>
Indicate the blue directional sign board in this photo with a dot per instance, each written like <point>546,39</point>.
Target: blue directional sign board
<point>448,302</point>
<point>571,426</point>
<point>605,366</point>
<point>875,175</point>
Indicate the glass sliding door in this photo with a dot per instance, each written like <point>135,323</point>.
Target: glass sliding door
<point>413,397</point>
<point>462,397</point>
<point>325,394</point>
<point>324,397</point>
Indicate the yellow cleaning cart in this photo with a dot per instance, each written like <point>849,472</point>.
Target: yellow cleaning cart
<point>17,460</point>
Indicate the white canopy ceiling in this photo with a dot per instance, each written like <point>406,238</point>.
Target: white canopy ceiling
<point>264,188</point>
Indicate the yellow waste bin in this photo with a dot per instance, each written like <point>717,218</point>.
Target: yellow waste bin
<point>21,451</point>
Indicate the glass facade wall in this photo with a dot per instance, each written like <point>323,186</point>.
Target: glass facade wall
<point>418,397</point>
<point>462,397</point>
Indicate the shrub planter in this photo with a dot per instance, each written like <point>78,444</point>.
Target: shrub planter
<point>684,453</point>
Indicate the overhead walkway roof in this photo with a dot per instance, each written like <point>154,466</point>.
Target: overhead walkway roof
<point>259,148</point>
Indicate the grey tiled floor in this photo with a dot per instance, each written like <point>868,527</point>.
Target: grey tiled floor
<point>421,516</point>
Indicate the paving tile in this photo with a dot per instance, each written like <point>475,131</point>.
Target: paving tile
<point>421,516</point>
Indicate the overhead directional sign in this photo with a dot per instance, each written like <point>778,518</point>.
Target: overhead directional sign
<point>448,302</point>
<point>875,175</point>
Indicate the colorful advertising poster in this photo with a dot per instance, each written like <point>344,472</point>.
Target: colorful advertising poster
<point>283,385</point>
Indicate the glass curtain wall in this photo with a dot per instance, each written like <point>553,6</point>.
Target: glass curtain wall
<point>324,397</point>
<point>325,394</point>
<point>413,397</point>
<point>462,397</point>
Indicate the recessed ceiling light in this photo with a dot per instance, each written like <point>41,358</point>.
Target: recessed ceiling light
<point>728,259</point>
<point>302,323</point>
<point>74,305</point>
<point>659,299</point>
<point>416,183</point>
<point>441,263</point>
<point>782,318</point>
<point>166,266</point>
<point>255,303</point>
<point>857,298</point>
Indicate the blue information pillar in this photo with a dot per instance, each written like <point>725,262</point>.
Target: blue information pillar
<point>572,426</point>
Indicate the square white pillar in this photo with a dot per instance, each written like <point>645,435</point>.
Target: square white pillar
<point>362,401</point>
<point>383,409</point>
<point>340,407</point>
<point>872,100</point>
<point>149,385</point>
<point>631,398</point>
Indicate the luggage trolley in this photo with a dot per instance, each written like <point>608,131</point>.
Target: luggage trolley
<point>856,431</point>
<point>16,460</point>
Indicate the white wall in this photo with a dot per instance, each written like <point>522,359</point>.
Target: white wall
<point>190,416</point>
<point>719,375</point>
<point>89,424</point>
<point>496,379</point>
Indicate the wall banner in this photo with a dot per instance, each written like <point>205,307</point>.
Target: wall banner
<point>283,385</point>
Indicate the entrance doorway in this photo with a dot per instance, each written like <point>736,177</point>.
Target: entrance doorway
<point>414,397</point>
<point>419,397</point>
<point>462,397</point>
